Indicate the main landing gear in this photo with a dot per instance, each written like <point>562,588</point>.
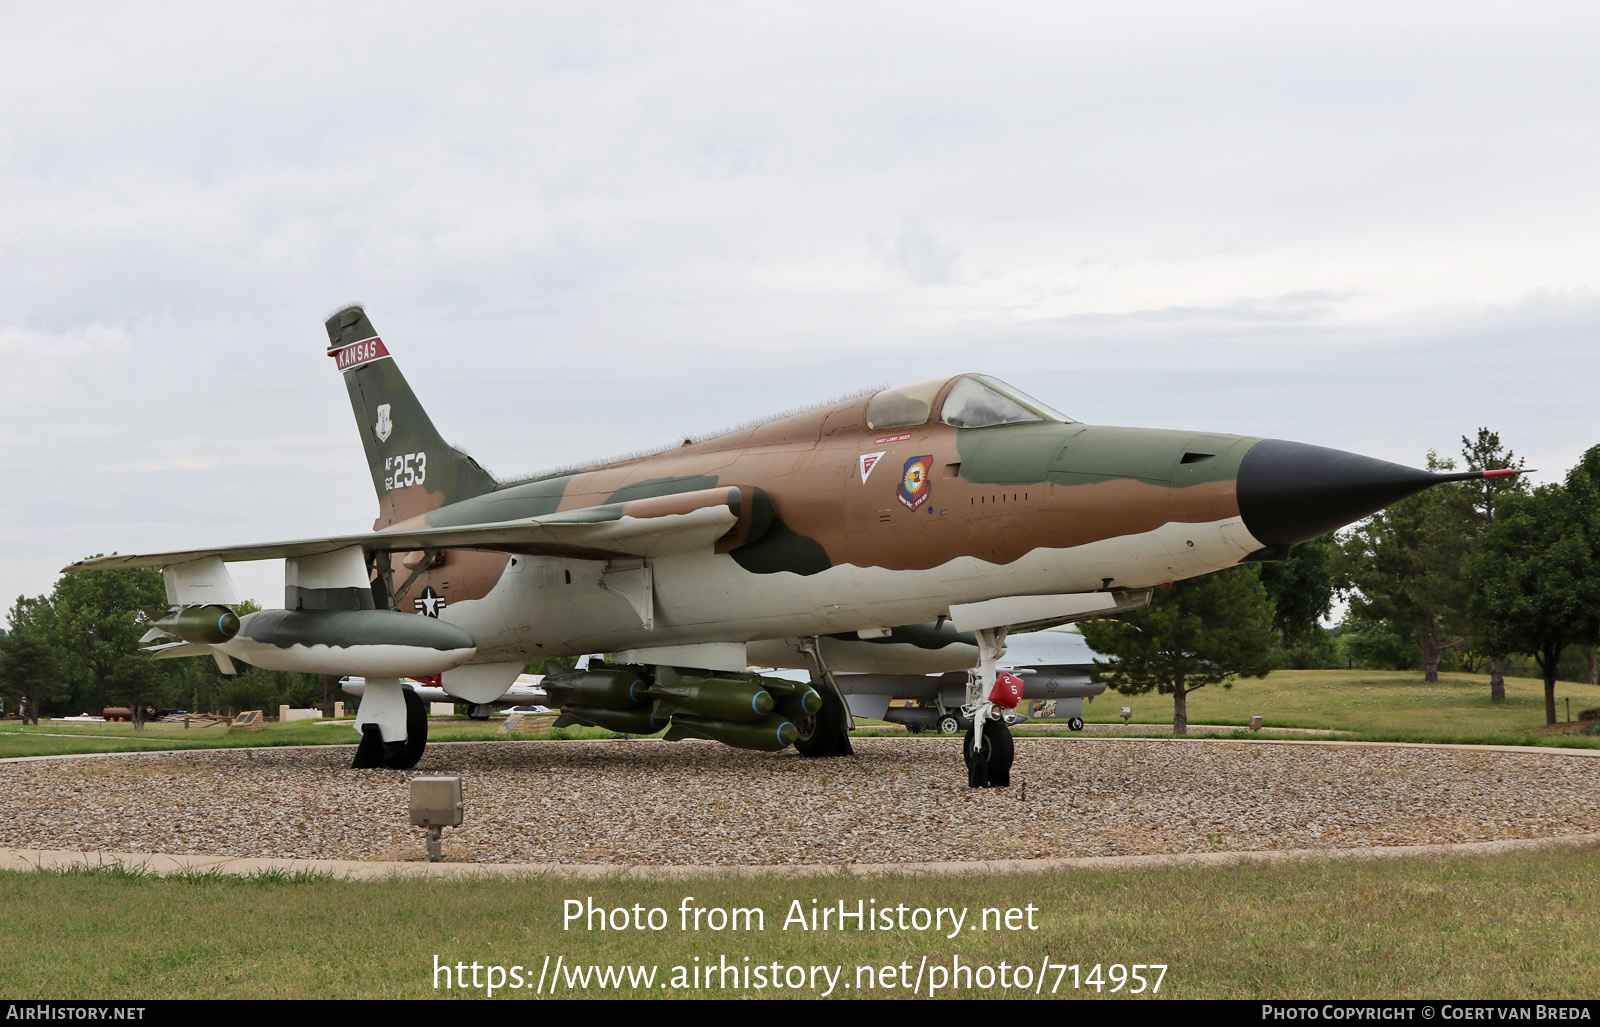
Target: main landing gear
<point>988,748</point>
<point>393,721</point>
<point>826,732</point>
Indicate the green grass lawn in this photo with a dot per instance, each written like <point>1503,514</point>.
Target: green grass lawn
<point>50,738</point>
<point>1374,705</point>
<point>1458,927</point>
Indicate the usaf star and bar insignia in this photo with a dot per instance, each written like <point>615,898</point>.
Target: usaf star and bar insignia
<point>429,603</point>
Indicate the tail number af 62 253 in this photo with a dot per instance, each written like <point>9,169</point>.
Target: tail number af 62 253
<point>405,469</point>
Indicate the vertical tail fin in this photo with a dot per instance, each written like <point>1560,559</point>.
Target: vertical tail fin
<point>413,469</point>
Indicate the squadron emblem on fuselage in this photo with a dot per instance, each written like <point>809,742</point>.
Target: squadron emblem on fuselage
<point>916,482</point>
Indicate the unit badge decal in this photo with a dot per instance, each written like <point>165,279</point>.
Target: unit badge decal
<point>385,427</point>
<point>429,603</point>
<point>916,481</point>
<point>868,462</point>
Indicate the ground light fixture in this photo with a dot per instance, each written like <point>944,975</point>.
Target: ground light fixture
<point>436,805</point>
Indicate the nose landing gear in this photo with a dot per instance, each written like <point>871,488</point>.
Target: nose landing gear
<point>989,757</point>
<point>988,749</point>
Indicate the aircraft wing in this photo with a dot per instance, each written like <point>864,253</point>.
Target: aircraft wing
<point>659,526</point>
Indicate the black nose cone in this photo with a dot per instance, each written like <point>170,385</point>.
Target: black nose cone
<point>1290,492</point>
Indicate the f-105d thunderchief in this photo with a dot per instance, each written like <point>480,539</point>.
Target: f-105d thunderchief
<point>802,542</point>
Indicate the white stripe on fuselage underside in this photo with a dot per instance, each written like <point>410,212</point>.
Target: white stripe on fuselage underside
<point>704,597</point>
<point>372,661</point>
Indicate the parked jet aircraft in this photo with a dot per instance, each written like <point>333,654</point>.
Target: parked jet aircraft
<point>960,500</point>
<point>525,690</point>
<point>1056,667</point>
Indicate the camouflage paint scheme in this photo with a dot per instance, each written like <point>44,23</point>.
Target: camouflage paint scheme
<point>847,520</point>
<point>1037,507</point>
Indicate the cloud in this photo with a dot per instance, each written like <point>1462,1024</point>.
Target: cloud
<point>921,257</point>
<point>159,466</point>
<point>586,230</point>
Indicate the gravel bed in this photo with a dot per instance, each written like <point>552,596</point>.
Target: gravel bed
<point>700,803</point>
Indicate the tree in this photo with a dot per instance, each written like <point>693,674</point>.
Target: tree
<point>1377,644</point>
<point>1486,454</point>
<point>90,622</point>
<point>1405,565</point>
<point>1302,589</point>
<point>1200,631</point>
<point>29,669</point>
<point>1536,576</point>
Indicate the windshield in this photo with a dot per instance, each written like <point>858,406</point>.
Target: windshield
<point>979,401</point>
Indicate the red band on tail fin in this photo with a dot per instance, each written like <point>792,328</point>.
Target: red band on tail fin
<point>358,353</point>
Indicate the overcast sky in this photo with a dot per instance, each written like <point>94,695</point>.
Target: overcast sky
<point>589,228</point>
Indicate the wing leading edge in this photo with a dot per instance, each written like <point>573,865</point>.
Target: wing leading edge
<point>660,526</point>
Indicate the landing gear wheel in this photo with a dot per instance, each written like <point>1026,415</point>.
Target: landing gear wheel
<point>370,753</point>
<point>404,755</point>
<point>1075,724</point>
<point>949,725</point>
<point>825,732</point>
<point>990,767</point>
<point>977,759</point>
<point>914,729</point>
<point>1002,752</point>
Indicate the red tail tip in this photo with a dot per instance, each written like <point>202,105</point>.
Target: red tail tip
<point>1502,472</point>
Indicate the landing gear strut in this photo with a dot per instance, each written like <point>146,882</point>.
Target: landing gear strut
<point>393,721</point>
<point>827,731</point>
<point>988,748</point>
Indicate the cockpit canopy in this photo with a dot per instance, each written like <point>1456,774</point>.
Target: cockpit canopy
<point>973,401</point>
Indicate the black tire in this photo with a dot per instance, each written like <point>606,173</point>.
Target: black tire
<point>404,755</point>
<point>977,759</point>
<point>827,731</point>
<point>370,753</point>
<point>1075,724</point>
<point>914,729</point>
<point>950,724</point>
<point>1002,752</point>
